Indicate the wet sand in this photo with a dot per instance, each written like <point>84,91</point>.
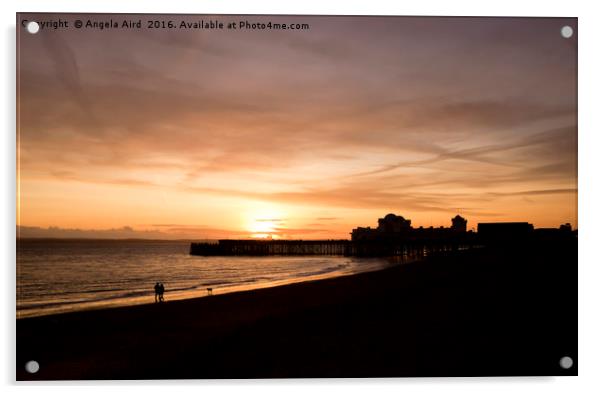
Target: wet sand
<point>471,313</point>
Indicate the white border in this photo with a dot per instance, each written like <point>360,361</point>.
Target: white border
<point>590,278</point>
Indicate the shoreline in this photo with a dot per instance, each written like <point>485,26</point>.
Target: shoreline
<point>464,314</point>
<point>176,296</point>
<point>193,301</point>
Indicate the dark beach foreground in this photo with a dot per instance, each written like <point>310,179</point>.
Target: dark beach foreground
<point>471,313</point>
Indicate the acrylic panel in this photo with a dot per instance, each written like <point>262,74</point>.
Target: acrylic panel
<point>295,196</point>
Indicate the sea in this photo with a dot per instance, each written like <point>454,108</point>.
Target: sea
<point>60,275</point>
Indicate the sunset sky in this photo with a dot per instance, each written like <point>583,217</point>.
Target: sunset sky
<point>297,134</point>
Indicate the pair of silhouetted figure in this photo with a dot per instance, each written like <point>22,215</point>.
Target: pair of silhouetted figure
<point>159,290</point>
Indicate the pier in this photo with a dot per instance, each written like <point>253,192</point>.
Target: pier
<point>342,247</point>
<point>228,247</point>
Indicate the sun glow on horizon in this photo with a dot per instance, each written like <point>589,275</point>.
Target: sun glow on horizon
<point>265,222</point>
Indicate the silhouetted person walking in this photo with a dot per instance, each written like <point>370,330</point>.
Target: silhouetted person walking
<point>161,291</point>
<point>157,291</point>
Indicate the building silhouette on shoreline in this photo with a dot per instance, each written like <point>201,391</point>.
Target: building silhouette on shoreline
<point>393,227</point>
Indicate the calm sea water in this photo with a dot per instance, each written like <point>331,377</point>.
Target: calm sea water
<point>63,275</point>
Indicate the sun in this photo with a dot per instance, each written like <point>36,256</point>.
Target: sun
<point>265,223</point>
<point>263,226</point>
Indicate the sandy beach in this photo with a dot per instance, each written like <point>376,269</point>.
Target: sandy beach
<point>463,314</point>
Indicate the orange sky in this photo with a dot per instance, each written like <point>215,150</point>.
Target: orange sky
<point>298,134</point>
